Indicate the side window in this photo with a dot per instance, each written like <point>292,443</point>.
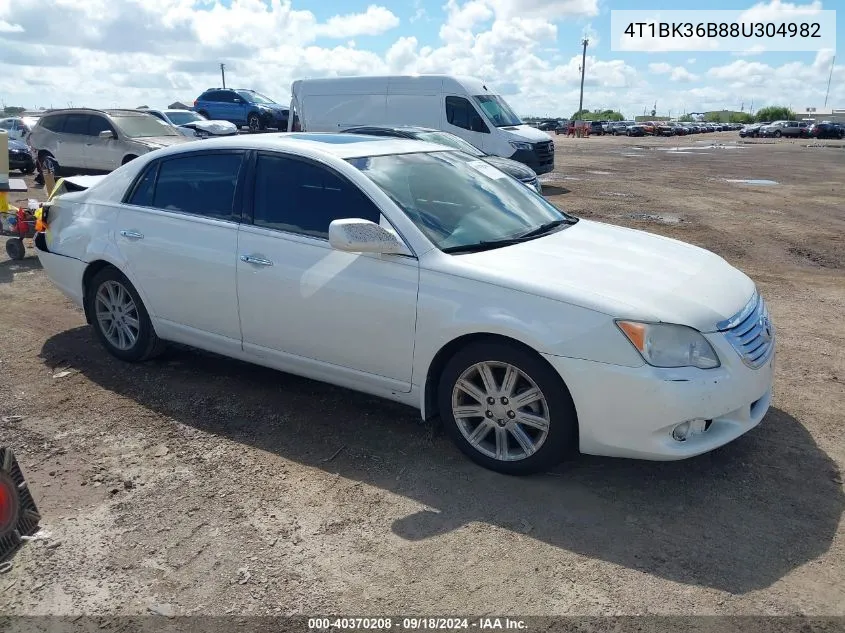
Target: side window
<point>76,124</point>
<point>98,124</point>
<point>143,192</point>
<point>212,95</point>
<point>157,115</point>
<point>201,184</point>
<point>461,113</point>
<point>301,197</point>
<point>53,123</point>
<point>6,124</point>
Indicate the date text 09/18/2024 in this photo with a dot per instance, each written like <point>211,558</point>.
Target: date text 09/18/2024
<point>416,624</point>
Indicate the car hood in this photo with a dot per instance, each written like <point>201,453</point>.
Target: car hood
<point>157,142</point>
<point>622,272</point>
<point>275,107</point>
<point>213,127</point>
<point>17,145</point>
<point>511,167</point>
<point>525,133</point>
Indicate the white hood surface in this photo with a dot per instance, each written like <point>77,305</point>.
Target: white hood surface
<point>622,272</point>
<point>215,127</point>
<point>525,133</point>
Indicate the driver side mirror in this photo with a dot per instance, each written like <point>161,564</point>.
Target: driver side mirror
<point>355,235</point>
<point>107,134</point>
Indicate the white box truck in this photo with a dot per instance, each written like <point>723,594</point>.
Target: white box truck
<point>463,106</point>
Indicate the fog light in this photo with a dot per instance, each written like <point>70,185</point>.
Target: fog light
<point>686,429</point>
<point>679,433</point>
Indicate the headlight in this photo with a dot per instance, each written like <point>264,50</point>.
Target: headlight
<point>667,345</point>
<point>521,145</point>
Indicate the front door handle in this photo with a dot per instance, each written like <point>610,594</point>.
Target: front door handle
<point>258,261</point>
<point>132,235</point>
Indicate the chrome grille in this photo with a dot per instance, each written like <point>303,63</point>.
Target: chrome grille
<point>751,333</point>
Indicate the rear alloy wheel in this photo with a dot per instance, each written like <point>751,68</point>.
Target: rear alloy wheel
<point>119,318</point>
<point>506,409</point>
<point>254,123</point>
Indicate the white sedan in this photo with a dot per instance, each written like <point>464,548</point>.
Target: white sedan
<point>420,274</point>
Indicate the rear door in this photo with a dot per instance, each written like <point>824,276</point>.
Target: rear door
<point>179,235</point>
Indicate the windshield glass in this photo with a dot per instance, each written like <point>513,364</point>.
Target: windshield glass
<point>143,126</point>
<point>498,110</point>
<point>181,118</point>
<point>444,138</point>
<point>254,97</point>
<point>457,200</point>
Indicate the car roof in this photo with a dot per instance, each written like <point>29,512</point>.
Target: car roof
<point>410,129</point>
<point>340,145</point>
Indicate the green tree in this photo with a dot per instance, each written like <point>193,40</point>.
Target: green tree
<point>741,117</point>
<point>597,115</point>
<point>713,117</point>
<point>775,113</point>
<point>687,118</point>
<point>13,110</point>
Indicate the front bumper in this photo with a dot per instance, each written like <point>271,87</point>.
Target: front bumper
<point>541,158</point>
<point>274,120</point>
<point>23,162</point>
<point>632,411</point>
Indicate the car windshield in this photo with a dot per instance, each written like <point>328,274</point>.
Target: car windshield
<point>254,97</point>
<point>142,126</point>
<point>498,110</point>
<point>181,118</point>
<point>460,202</point>
<point>444,138</point>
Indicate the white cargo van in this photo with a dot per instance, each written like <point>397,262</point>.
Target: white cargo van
<point>463,106</point>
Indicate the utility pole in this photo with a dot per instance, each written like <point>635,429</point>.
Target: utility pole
<point>585,42</point>
<point>827,94</point>
<point>223,73</point>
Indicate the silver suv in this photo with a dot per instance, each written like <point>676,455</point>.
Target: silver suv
<point>100,140</point>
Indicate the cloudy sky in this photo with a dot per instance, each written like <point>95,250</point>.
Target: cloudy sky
<point>108,53</point>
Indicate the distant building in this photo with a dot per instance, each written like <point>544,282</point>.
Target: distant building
<point>178,105</point>
<point>836,115</point>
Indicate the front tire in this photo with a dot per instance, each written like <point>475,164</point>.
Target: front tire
<point>254,123</point>
<point>506,408</point>
<point>15,248</point>
<point>120,320</point>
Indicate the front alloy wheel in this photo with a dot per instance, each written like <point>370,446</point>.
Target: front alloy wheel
<point>506,408</point>
<point>500,411</point>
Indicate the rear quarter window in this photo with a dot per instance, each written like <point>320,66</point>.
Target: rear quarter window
<point>53,123</point>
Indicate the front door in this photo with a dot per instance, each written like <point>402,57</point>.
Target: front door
<point>103,154</point>
<point>179,234</point>
<point>463,119</point>
<point>301,301</point>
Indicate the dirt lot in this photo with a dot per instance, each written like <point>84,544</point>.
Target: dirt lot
<point>199,485</point>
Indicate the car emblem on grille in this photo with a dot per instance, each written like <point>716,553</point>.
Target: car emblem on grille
<point>766,328</point>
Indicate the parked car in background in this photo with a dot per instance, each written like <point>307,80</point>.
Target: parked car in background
<point>596,128</point>
<point>100,140</point>
<point>562,126</point>
<point>20,157</point>
<point>827,130</point>
<point>193,124</point>
<point>637,129</point>
<point>243,108</point>
<point>548,126</point>
<point>518,170</point>
<point>663,128</point>
<point>465,106</point>
<point>619,127</point>
<point>750,131</point>
<point>417,273</point>
<point>17,127</point>
<point>789,129</point>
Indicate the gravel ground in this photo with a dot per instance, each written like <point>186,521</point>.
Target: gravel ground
<point>199,485</point>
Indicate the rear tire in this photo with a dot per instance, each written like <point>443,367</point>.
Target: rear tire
<point>506,408</point>
<point>15,248</point>
<point>120,320</point>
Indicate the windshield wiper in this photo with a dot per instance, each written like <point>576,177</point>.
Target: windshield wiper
<point>486,245</point>
<point>546,228</point>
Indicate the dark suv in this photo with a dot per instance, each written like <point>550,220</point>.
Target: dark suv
<point>242,107</point>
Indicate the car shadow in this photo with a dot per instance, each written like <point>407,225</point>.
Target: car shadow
<point>554,190</point>
<point>737,519</point>
<point>9,267</point>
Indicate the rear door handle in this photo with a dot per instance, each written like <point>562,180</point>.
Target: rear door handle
<point>257,261</point>
<point>132,235</point>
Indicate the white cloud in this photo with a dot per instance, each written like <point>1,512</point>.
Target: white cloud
<point>374,21</point>
<point>660,68</point>
<point>6,27</point>
<point>777,11</point>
